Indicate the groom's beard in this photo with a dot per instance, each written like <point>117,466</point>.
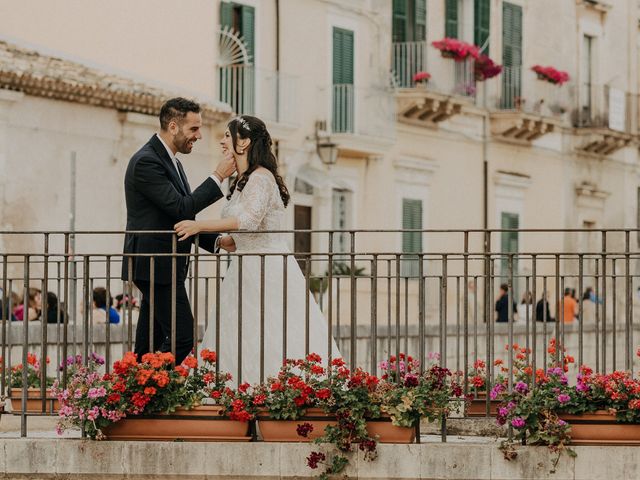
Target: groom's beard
<point>182,143</point>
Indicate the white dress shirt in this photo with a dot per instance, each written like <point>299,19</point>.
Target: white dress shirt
<point>175,164</point>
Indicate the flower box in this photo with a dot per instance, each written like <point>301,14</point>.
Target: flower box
<point>287,430</point>
<point>273,430</point>
<point>387,432</point>
<point>34,401</point>
<point>477,407</point>
<point>456,49</point>
<point>601,428</point>
<point>202,424</point>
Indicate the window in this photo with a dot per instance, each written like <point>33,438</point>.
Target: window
<point>451,19</point>
<point>509,244</point>
<point>237,82</point>
<point>411,241</point>
<point>341,221</point>
<point>409,20</point>
<point>511,54</point>
<point>586,90</point>
<point>481,23</point>
<point>343,94</point>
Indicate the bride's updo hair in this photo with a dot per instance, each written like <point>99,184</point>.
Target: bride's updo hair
<point>259,153</point>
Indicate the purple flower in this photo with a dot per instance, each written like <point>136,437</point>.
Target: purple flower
<point>496,391</point>
<point>518,422</point>
<point>582,387</point>
<point>563,398</point>
<point>562,423</point>
<point>503,411</point>
<point>522,387</point>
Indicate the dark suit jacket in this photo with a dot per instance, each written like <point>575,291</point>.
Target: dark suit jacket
<point>157,200</point>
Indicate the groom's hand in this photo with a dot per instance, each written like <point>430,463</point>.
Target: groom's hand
<point>226,167</point>
<point>186,229</point>
<point>227,243</point>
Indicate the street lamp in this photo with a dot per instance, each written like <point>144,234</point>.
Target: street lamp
<point>327,150</point>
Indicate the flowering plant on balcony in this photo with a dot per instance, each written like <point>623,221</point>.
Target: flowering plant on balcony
<point>415,395</point>
<point>551,75</point>
<point>534,405</point>
<point>34,373</point>
<point>485,68</point>
<point>421,78</point>
<point>93,401</point>
<point>456,49</point>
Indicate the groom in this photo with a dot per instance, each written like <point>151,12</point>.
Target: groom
<point>158,196</point>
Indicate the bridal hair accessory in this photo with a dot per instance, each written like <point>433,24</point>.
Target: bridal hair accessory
<point>243,122</point>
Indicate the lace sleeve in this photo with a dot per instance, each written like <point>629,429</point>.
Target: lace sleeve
<point>255,201</point>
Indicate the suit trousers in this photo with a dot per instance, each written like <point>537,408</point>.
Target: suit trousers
<point>162,321</point>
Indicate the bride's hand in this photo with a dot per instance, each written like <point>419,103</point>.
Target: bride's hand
<point>227,243</point>
<point>186,229</point>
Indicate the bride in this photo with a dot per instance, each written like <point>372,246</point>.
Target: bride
<point>256,203</point>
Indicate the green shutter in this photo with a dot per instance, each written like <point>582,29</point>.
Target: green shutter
<point>399,23</point>
<point>248,16</point>
<point>451,19</point>
<point>411,241</point>
<point>226,14</point>
<point>511,54</point>
<point>481,23</point>
<point>509,243</point>
<point>342,56</point>
<point>420,20</point>
<point>511,35</point>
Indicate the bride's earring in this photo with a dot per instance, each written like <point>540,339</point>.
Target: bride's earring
<point>241,152</point>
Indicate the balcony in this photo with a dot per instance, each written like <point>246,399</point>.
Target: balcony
<point>362,119</point>
<point>265,93</point>
<point>526,108</point>
<point>448,90</point>
<point>603,118</point>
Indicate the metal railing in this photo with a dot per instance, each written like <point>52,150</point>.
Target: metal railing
<point>521,90</point>
<point>598,106</point>
<point>408,58</point>
<point>255,91</point>
<point>456,78</point>
<point>447,304</point>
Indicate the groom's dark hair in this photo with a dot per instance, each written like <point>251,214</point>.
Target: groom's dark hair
<point>176,109</point>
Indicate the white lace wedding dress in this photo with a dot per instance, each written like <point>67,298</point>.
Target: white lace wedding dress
<point>259,207</point>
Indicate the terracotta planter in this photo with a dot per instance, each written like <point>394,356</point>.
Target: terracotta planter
<point>478,406</point>
<point>34,401</point>
<point>601,428</point>
<point>285,430</point>
<point>202,424</point>
<point>386,432</point>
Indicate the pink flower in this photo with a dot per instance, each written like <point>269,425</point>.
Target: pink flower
<point>563,398</point>
<point>421,77</point>
<point>518,422</point>
<point>96,392</point>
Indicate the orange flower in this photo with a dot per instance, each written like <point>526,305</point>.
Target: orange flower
<point>183,372</point>
<point>190,362</point>
<point>156,361</point>
<point>143,375</point>
<point>161,378</point>
<point>208,356</point>
<point>130,359</point>
<point>150,391</point>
